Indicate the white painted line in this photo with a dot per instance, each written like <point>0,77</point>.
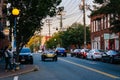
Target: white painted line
<point>92,69</point>
<point>15,78</point>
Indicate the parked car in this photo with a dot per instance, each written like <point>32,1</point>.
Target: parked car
<point>84,53</point>
<point>75,53</point>
<point>111,56</point>
<point>49,54</point>
<point>25,56</point>
<point>94,54</point>
<point>61,51</point>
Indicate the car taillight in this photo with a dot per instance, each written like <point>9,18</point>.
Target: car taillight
<point>85,53</point>
<point>117,55</point>
<point>96,53</point>
<point>65,50</point>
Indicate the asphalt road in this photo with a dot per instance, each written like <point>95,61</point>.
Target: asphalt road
<point>70,68</point>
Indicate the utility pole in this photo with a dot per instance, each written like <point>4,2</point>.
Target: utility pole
<point>60,11</point>
<point>61,24</point>
<point>48,21</point>
<point>84,22</point>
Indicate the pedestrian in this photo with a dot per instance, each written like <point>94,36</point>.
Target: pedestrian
<point>8,59</point>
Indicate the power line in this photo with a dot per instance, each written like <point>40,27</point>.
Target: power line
<point>71,9</point>
<point>48,21</point>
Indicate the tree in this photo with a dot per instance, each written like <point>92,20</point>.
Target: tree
<point>30,18</point>
<point>110,7</point>
<point>74,35</point>
<point>53,42</point>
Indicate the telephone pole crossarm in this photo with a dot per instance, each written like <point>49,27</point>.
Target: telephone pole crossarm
<point>48,21</point>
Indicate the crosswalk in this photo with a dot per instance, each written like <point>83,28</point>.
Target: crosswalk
<point>15,78</point>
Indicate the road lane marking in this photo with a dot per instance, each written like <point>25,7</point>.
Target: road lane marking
<point>92,69</point>
<point>15,78</point>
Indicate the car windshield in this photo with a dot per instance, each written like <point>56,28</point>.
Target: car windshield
<point>77,50</point>
<point>60,48</point>
<point>25,50</point>
<point>112,52</point>
<point>96,50</point>
<point>49,52</point>
<point>87,50</point>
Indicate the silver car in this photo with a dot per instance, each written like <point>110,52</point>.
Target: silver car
<point>94,54</point>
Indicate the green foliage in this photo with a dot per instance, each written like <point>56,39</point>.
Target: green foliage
<point>74,35</point>
<point>30,18</point>
<point>53,42</point>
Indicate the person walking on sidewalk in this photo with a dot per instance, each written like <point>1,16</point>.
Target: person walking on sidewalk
<point>8,58</point>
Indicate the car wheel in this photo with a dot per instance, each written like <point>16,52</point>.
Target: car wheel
<point>111,60</point>
<point>71,55</point>
<point>82,56</point>
<point>92,58</point>
<point>65,55</point>
<point>42,58</point>
<point>102,59</point>
<point>55,59</point>
<point>31,62</point>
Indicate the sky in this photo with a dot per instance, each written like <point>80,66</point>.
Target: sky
<point>71,14</point>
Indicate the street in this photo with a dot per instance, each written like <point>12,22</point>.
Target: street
<point>70,68</point>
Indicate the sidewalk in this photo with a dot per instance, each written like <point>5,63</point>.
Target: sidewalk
<point>23,69</point>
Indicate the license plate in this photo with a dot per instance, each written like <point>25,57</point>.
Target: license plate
<point>22,59</point>
<point>50,55</point>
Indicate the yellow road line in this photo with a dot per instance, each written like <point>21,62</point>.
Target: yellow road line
<point>92,69</point>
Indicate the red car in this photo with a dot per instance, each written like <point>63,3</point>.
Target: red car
<point>84,53</point>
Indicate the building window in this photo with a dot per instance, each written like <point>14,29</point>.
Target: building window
<point>108,20</point>
<point>94,26</point>
<point>111,18</point>
<point>105,22</point>
<point>102,24</point>
<point>99,24</point>
<point>116,44</point>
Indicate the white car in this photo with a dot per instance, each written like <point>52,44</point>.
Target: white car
<point>94,54</point>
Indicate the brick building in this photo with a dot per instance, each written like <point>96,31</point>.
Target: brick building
<point>101,36</point>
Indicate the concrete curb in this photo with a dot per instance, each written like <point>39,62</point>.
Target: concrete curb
<point>27,69</point>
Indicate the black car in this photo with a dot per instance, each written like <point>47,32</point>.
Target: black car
<point>25,56</point>
<point>61,51</point>
<point>49,54</point>
<point>75,53</point>
<point>111,56</point>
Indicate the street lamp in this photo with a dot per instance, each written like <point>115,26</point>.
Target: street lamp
<point>15,13</point>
